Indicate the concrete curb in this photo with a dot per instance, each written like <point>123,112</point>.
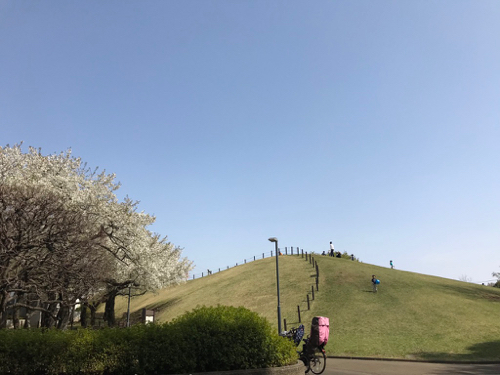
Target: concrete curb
<point>297,369</point>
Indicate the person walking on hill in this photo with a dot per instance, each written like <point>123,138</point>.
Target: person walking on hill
<point>332,249</point>
<point>392,265</point>
<point>374,283</point>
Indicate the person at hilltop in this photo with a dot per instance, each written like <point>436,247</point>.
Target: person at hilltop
<point>332,249</point>
<point>392,265</point>
<point>374,283</point>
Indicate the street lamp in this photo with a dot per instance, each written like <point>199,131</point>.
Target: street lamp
<point>275,240</point>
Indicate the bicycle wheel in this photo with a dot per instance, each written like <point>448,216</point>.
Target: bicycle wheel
<point>317,362</point>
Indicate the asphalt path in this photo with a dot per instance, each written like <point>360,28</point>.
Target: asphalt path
<point>340,366</point>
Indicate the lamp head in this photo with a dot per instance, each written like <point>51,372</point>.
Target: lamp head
<point>273,239</point>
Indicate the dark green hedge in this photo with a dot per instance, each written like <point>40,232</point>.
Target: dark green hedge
<point>206,339</point>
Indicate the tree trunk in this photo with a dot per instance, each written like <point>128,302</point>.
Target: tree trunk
<point>3,309</point>
<point>83,315</point>
<point>47,319</point>
<point>63,317</point>
<point>93,309</point>
<point>109,309</point>
<point>15,317</point>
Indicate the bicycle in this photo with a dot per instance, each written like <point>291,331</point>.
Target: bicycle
<point>313,357</point>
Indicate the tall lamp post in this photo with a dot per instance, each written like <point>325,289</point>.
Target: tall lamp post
<point>275,240</point>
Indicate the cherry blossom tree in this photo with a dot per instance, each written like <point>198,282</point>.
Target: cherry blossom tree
<point>65,236</point>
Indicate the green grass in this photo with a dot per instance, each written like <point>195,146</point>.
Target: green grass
<point>412,316</point>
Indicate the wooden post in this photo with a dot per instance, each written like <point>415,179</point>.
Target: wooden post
<point>298,312</point>
<point>254,258</point>
<point>286,253</point>
<point>202,274</point>
<point>312,291</point>
<point>317,270</point>
<point>302,253</point>
<point>262,255</point>
<point>308,305</point>
<point>284,321</point>
<point>317,283</point>
<point>271,253</point>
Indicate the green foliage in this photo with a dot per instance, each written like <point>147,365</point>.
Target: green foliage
<point>230,338</point>
<point>206,339</point>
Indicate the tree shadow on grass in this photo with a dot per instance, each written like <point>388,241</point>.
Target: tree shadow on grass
<point>471,291</point>
<point>483,358</point>
<point>164,304</point>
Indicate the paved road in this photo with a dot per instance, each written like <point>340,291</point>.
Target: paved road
<point>337,366</point>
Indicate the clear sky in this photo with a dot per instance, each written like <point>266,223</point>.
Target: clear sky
<point>372,124</point>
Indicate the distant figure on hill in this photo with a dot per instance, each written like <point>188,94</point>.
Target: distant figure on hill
<point>374,283</point>
<point>209,272</point>
<point>332,249</point>
<point>339,255</point>
<point>323,253</point>
<point>352,257</point>
<point>392,265</point>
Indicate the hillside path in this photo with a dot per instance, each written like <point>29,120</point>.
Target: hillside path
<point>340,366</point>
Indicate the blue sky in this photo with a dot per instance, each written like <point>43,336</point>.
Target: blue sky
<point>375,125</point>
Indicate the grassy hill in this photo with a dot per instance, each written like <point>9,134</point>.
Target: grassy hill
<point>412,316</point>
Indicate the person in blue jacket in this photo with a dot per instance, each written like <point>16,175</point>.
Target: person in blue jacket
<point>374,283</point>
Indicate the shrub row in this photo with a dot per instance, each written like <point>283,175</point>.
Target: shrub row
<point>206,339</point>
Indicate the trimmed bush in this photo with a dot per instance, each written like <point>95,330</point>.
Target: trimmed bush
<point>229,338</point>
<point>206,339</point>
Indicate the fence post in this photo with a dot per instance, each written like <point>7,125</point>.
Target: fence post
<point>306,256</point>
<point>312,291</point>
<point>219,269</point>
<point>284,321</point>
<point>286,250</point>
<point>262,255</point>
<point>317,270</point>
<point>298,312</point>
<point>308,305</point>
<point>254,258</point>
<point>271,253</point>
<point>302,253</point>
<point>317,283</point>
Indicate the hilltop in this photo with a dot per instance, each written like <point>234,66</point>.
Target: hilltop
<point>412,316</point>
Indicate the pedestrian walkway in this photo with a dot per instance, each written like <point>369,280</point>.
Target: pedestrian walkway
<point>340,366</point>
